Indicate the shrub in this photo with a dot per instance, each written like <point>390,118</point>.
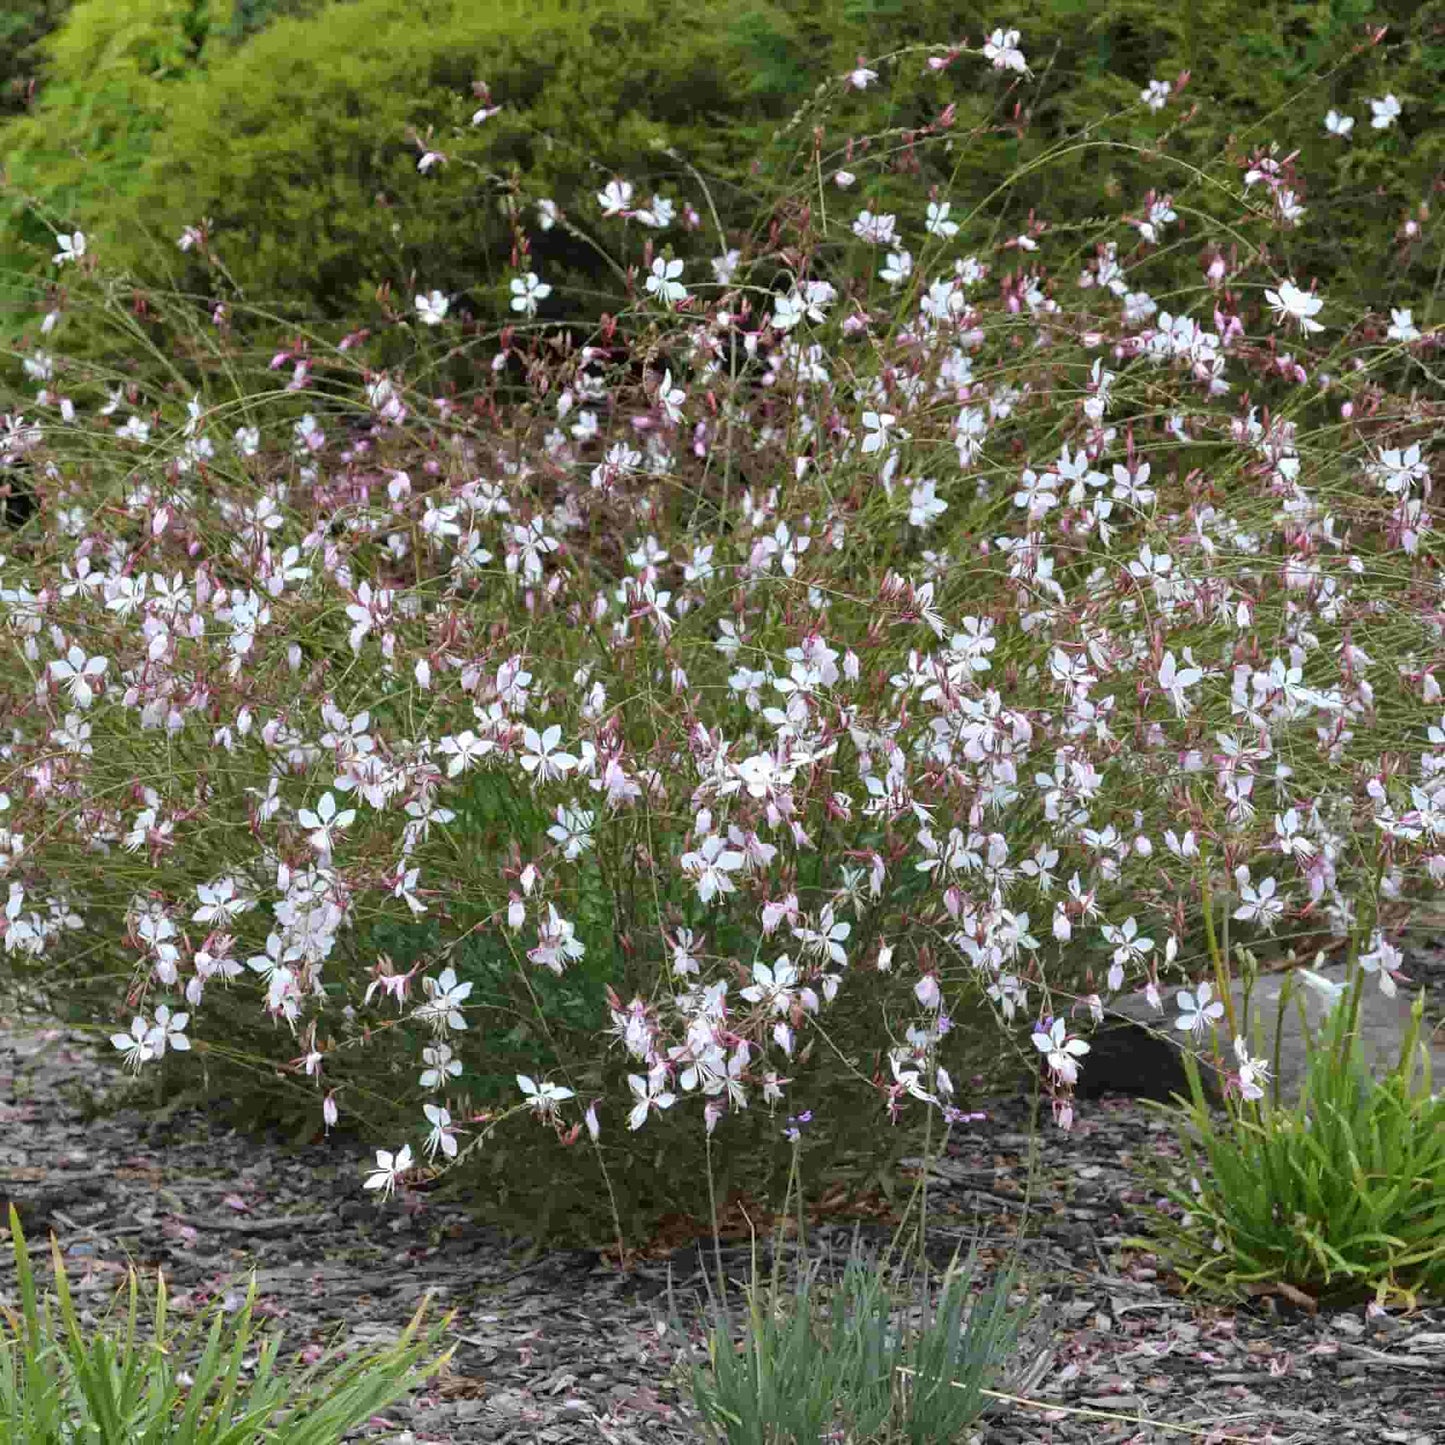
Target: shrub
<point>899,679</point>
<point>109,68</point>
<point>304,146</point>
<point>314,206</point>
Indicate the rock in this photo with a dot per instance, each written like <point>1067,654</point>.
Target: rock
<point>1125,1058</point>
<point>1137,1050</point>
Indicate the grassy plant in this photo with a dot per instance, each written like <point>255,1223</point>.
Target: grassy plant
<point>800,1371</point>
<point>58,1386</point>
<point>803,1367</point>
<point>1337,1198</point>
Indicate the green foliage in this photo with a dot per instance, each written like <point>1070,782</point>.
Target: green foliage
<point>109,69</point>
<point>1341,1197</point>
<point>23,25</point>
<point>56,1384</point>
<point>845,1362</point>
<point>155,38</point>
<point>250,17</point>
<point>301,146</point>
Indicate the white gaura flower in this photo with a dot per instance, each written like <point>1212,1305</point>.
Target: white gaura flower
<point>220,902</point>
<point>710,864</point>
<point>1002,48</point>
<point>1402,325</point>
<point>542,1098</point>
<point>1383,958</point>
<point>659,215</point>
<point>445,998</point>
<point>878,425</point>
<point>136,1045</point>
<point>1385,112</point>
<point>440,1066</point>
<point>168,1031</point>
<point>925,505</point>
<point>572,831</point>
<point>527,291</point>
<point>442,1135</point>
<point>725,265</point>
<point>1290,302</point>
<point>1156,95</point>
<point>650,1094</point>
<point>773,986</point>
<point>325,821</point>
<point>1253,1073</point>
<point>663,282</point>
<point>1198,1009</point>
<point>1174,679</point>
<point>541,756</point>
<point>1331,992</point>
<point>483,93</point>
<point>1260,905</point>
<point>898,269</point>
<point>431,309</point>
<point>938,223</point>
<point>615,198</point>
<point>389,1167</point>
<point>72,248</point>
<point>1129,948</point>
<point>875,228</point>
<point>76,671</point>
<point>671,398</point>
<point>1062,1052</point>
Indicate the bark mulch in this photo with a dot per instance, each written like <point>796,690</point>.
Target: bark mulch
<point>565,1348</point>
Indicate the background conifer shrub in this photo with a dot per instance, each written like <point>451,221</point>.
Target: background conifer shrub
<point>300,146</point>
<point>302,130</point>
<point>106,71</point>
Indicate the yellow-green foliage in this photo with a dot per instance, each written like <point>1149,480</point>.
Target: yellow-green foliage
<point>299,137</point>
<point>108,71</point>
<point>300,146</point>
<point>23,25</point>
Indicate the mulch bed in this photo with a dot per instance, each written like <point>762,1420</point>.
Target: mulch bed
<point>566,1348</point>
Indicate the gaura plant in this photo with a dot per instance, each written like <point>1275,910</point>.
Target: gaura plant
<point>883,628</point>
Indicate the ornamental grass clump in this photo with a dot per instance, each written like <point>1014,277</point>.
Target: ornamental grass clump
<point>787,695</point>
<point>799,1365</point>
<point>1336,1199</point>
<point>57,1385</point>
<point>844,1363</point>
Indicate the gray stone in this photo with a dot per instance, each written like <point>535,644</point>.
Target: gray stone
<point>1137,1050</point>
